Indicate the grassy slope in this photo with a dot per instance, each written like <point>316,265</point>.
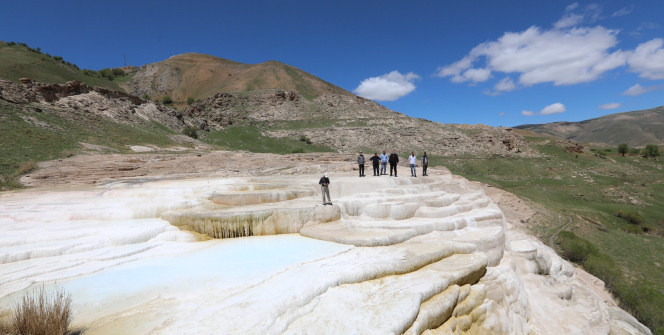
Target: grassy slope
<point>637,128</point>
<point>17,61</point>
<point>589,190</point>
<point>29,136</point>
<point>248,137</point>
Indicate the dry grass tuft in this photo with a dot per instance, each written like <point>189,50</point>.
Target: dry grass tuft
<point>25,167</point>
<point>42,313</point>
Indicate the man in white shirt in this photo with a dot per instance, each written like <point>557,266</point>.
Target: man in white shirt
<point>412,160</point>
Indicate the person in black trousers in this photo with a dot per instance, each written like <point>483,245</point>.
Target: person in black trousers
<point>425,164</point>
<point>394,161</point>
<point>375,160</point>
<point>360,163</point>
<point>324,189</point>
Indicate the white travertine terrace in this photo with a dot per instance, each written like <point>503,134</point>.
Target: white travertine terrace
<point>261,255</point>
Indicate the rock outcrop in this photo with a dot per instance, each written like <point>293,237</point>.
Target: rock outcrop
<point>351,123</point>
<point>117,106</point>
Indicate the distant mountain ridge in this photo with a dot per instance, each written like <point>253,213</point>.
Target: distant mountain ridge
<point>199,76</point>
<point>636,128</point>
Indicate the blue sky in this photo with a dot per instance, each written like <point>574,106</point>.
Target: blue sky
<point>500,63</point>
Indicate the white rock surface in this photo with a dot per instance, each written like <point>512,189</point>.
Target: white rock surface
<point>392,255</point>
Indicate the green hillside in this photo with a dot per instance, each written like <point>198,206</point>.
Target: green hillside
<point>32,133</point>
<point>637,128</point>
<point>21,61</point>
<point>604,211</point>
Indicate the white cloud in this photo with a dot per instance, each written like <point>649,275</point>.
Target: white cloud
<point>568,20</point>
<point>623,11</point>
<point>550,109</point>
<point>505,85</point>
<point>553,109</point>
<point>638,90</point>
<point>571,7</point>
<point>648,59</point>
<point>562,57</point>
<point>474,75</point>
<point>611,105</point>
<point>388,87</point>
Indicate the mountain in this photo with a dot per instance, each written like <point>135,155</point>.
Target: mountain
<point>18,60</point>
<point>198,76</point>
<point>637,128</point>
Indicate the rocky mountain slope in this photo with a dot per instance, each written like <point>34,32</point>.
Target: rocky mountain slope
<point>637,128</point>
<point>114,105</point>
<point>199,76</point>
<point>349,123</point>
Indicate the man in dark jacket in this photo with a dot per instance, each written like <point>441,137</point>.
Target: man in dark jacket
<point>394,161</point>
<point>375,160</point>
<point>324,190</point>
<point>360,163</point>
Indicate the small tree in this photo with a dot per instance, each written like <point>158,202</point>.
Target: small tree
<point>190,131</point>
<point>106,73</point>
<point>651,150</point>
<point>623,148</point>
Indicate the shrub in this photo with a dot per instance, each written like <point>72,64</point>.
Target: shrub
<point>118,72</point>
<point>575,248</point>
<point>166,100</point>
<point>190,131</point>
<point>146,96</point>
<point>632,229</point>
<point>106,73</point>
<point>57,58</point>
<point>190,101</point>
<point>604,268</point>
<point>623,148</point>
<point>643,301</point>
<point>631,217</point>
<point>42,313</point>
<point>298,151</point>
<point>305,139</point>
<point>650,150</point>
<point>91,73</point>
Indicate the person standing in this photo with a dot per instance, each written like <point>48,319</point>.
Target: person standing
<point>383,163</point>
<point>375,160</point>
<point>324,190</point>
<point>360,163</point>
<point>425,164</point>
<point>394,161</point>
<point>412,160</point>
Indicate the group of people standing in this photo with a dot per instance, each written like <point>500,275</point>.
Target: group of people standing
<point>380,163</point>
<point>379,168</point>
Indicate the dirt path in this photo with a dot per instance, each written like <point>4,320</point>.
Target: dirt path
<point>552,239</point>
